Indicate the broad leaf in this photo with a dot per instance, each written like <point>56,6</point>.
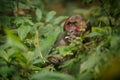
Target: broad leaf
<point>23,30</point>
<point>38,14</point>
<point>51,76</point>
<point>14,41</point>
<point>89,63</point>
<point>4,55</point>
<point>50,16</point>
<point>50,34</point>
<point>64,50</point>
<point>59,19</point>
<point>94,34</point>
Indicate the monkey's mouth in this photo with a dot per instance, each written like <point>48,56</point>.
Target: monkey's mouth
<point>70,37</point>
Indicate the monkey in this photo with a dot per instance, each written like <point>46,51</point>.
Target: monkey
<point>75,26</point>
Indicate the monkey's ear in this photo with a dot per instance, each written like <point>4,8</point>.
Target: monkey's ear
<point>89,27</point>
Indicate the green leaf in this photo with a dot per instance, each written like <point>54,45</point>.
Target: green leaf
<point>29,56</point>
<point>5,70</point>
<point>86,76</point>
<point>50,34</point>
<point>94,34</point>
<point>28,21</point>
<point>97,29</point>
<point>38,14</point>
<point>23,20</point>
<point>67,63</point>
<point>38,24</point>
<point>59,19</point>
<point>90,63</point>
<point>115,42</point>
<point>38,61</point>
<point>51,76</point>
<point>64,50</point>
<point>11,51</point>
<point>14,41</point>
<point>4,55</point>
<point>23,30</point>
<point>50,16</point>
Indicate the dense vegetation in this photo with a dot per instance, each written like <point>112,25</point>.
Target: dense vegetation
<point>28,31</point>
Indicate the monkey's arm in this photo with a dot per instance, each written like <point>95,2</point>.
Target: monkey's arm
<point>60,41</point>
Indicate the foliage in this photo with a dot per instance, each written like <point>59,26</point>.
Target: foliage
<point>105,13</point>
<point>26,41</point>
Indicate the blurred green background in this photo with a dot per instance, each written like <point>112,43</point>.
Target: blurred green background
<point>29,29</point>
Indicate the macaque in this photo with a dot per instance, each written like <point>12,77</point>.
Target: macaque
<point>74,26</point>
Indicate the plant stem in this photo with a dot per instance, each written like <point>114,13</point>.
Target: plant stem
<point>36,41</point>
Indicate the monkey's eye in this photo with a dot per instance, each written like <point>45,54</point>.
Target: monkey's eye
<point>75,23</point>
<point>76,26</point>
<point>71,25</point>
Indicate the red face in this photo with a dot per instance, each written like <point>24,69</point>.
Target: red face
<point>74,26</point>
